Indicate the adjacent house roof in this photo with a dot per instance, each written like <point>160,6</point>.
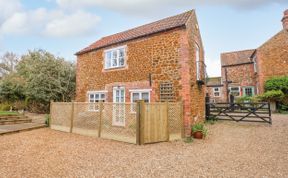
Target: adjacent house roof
<point>144,30</point>
<point>214,81</point>
<point>236,57</point>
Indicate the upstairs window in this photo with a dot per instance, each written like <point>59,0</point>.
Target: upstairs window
<point>235,91</point>
<point>115,58</point>
<point>216,91</point>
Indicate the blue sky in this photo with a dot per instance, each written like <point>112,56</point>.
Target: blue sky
<point>65,26</point>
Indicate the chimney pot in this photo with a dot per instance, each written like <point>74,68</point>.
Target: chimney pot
<point>285,20</point>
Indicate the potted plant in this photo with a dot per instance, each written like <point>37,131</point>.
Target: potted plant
<point>199,131</point>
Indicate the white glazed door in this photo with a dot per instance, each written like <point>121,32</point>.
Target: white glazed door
<point>118,106</point>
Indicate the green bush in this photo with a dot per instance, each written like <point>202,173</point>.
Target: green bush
<point>247,99</point>
<point>273,95</point>
<point>5,107</point>
<point>279,83</point>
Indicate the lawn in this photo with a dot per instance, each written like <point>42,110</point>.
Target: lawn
<point>230,150</point>
<point>8,113</point>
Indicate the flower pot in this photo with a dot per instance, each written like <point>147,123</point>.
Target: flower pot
<point>198,135</point>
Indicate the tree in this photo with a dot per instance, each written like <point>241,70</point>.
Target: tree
<point>47,77</point>
<point>11,88</point>
<point>8,63</point>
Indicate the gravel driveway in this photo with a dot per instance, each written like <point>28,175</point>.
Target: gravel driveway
<point>231,150</point>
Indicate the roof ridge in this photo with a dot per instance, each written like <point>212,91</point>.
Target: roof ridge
<point>158,26</point>
<point>166,18</point>
<point>229,52</point>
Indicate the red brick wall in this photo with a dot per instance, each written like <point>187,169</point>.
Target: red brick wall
<point>272,58</point>
<point>169,56</point>
<point>240,75</point>
<point>197,92</point>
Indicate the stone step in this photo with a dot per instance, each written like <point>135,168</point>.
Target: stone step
<point>12,117</point>
<point>15,121</point>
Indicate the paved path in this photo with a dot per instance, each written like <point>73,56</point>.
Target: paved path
<point>5,129</point>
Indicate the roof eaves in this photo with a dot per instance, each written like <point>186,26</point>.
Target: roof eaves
<point>122,41</point>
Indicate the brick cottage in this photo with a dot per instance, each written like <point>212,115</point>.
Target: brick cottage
<point>160,61</point>
<point>243,73</point>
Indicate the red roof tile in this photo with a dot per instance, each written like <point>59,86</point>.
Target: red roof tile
<point>141,31</point>
<point>236,57</point>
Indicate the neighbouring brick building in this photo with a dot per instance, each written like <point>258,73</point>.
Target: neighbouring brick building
<point>160,61</point>
<point>244,73</point>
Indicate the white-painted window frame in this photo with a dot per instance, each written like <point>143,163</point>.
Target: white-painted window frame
<point>197,55</point>
<point>92,104</point>
<point>239,90</point>
<point>140,92</point>
<point>219,91</point>
<point>110,61</point>
<point>255,63</point>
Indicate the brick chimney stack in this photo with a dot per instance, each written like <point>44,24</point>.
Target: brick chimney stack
<point>285,20</point>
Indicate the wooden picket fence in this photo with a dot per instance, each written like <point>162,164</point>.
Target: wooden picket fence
<point>138,123</point>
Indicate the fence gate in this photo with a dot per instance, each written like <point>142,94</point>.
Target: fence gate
<point>153,122</point>
<point>244,112</point>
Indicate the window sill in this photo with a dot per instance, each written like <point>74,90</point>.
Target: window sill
<point>115,69</point>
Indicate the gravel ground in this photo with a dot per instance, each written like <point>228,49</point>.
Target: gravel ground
<point>230,150</point>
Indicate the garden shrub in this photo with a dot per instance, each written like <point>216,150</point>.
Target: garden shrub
<point>273,95</point>
<point>279,83</point>
<point>5,107</point>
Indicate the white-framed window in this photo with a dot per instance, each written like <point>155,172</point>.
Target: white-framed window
<point>94,97</point>
<point>248,91</point>
<point>141,94</point>
<point>216,91</point>
<point>235,91</point>
<point>118,106</point>
<point>197,54</point>
<point>115,58</point>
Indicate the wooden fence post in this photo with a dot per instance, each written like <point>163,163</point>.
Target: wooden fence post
<point>100,118</point>
<point>167,122</point>
<point>182,119</point>
<point>72,116</point>
<point>140,121</point>
<point>50,118</point>
<point>207,107</point>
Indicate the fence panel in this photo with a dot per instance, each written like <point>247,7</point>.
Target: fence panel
<point>61,116</point>
<point>86,119</point>
<point>175,121</point>
<point>120,121</point>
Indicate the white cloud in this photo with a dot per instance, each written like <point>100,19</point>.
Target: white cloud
<point>53,23</point>
<point>139,7</point>
<point>71,25</point>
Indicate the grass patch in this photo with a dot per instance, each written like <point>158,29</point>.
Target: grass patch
<point>188,140</point>
<point>8,113</point>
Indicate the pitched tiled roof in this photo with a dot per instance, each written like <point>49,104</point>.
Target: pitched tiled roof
<point>236,57</point>
<point>214,81</point>
<point>141,31</point>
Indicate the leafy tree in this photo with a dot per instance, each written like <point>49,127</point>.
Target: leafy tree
<point>12,88</point>
<point>47,77</point>
<point>8,63</point>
